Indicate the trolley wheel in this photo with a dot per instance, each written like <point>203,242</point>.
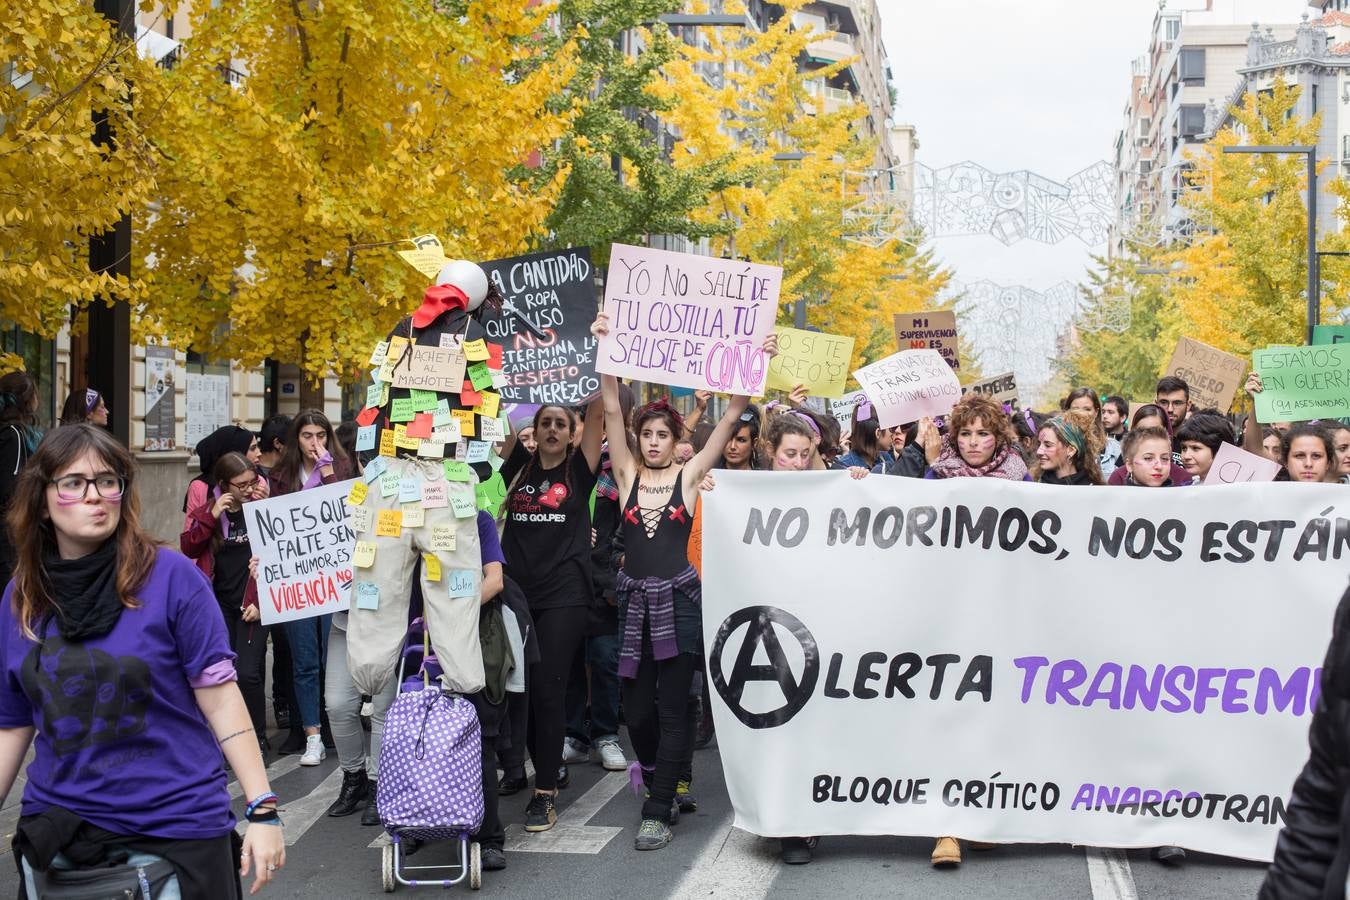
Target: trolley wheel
<point>387,868</point>
<point>475,866</point>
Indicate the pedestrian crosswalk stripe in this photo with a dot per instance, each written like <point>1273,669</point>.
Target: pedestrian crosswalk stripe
<point>739,866</point>
<point>1110,875</point>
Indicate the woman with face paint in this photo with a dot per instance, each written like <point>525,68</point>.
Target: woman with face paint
<point>979,443</point>
<point>546,540</point>
<point>1086,401</point>
<point>658,590</point>
<point>118,670</point>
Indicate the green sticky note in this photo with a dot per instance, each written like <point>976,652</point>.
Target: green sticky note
<point>441,415</point>
<point>423,400</point>
<point>389,484</point>
<point>479,376</point>
<point>404,410</point>
<point>457,471</point>
<point>1302,383</point>
<point>463,505</point>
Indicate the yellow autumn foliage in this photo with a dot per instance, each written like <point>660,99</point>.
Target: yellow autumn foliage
<point>303,139</point>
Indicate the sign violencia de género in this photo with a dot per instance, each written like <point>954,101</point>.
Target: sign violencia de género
<point>555,292</point>
<point>1117,720</point>
<point>304,547</point>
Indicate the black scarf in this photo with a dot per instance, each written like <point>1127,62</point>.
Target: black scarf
<point>85,592</point>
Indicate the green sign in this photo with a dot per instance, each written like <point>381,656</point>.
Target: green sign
<point>1331,334</point>
<point>1302,383</point>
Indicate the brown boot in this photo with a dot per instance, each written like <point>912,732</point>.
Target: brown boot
<point>947,852</point>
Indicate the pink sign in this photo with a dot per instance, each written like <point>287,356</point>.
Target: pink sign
<point>909,385</point>
<point>1233,465</point>
<point>688,321</point>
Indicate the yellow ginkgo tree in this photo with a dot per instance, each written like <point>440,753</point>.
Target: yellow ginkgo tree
<point>740,96</point>
<point>60,64</point>
<point>302,141</point>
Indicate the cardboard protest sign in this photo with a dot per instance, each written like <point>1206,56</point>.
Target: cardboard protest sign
<point>1302,383</point>
<point>305,550</point>
<point>1331,334</point>
<point>555,293</point>
<point>929,331</point>
<point>1233,465</point>
<point>427,368</point>
<point>909,385</point>
<point>1212,375</point>
<point>813,358</point>
<point>688,321</point>
<point>1000,388</point>
<point>1117,720</point>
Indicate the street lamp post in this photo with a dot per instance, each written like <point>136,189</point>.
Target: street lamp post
<point>1314,285</point>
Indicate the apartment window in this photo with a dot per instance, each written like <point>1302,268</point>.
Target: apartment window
<point>1192,121</point>
<point>1173,29</point>
<point>1192,65</point>
<point>1314,99</point>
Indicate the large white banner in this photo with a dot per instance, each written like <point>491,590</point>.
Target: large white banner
<point>1014,662</point>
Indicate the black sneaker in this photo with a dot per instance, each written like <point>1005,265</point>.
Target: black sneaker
<point>1169,856</point>
<point>797,851</point>
<point>508,786</point>
<point>540,814</point>
<point>494,859</point>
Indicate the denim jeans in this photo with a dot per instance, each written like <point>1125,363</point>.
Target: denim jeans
<point>602,655</point>
<point>171,889</point>
<point>308,639</point>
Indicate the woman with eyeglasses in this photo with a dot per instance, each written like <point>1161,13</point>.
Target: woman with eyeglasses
<point>218,527</point>
<point>118,669</point>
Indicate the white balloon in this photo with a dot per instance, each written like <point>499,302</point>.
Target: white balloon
<point>469,277</point>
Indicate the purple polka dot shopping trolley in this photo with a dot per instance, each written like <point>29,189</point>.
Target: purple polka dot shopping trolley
<point>430,779</point>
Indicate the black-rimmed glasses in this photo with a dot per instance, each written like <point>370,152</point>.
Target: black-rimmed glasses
<point>76,487</point>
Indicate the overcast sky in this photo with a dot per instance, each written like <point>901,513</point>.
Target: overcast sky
<point>1020,84</point>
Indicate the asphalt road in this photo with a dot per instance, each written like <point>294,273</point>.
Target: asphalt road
<point>590,855</point>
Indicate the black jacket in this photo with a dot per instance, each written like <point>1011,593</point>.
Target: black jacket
<point>910,463</point>
<point>1313,852</point>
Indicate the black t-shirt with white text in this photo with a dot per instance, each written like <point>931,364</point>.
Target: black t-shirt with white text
<point>547,539</point>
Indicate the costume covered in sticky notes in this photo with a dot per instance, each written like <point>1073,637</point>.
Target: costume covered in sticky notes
<point>436,408</point>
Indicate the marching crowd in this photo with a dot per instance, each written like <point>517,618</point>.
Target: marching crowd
<point>103,630</point>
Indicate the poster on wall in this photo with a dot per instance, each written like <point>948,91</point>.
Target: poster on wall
<point>208,406</point>
<point>160,405</point>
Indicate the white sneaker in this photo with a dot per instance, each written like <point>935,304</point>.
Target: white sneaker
<point>575,752</point>
<point>611,754</point>
<point>314,751</point>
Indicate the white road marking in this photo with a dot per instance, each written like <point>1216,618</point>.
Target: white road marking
<point>572,834</point>
<point>1109,874</point>
<point>739,866</point>
<point>283,766</point>
<point>300,815</point>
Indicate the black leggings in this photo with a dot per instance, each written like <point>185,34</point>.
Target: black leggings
<point>656,705</point>
<point>561,633</point>
<point>248,640</point>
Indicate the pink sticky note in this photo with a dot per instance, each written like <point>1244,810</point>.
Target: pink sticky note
<point>468,396</point>
<point>420,426</point>
<point>494,360</point>
<point>367,416</point>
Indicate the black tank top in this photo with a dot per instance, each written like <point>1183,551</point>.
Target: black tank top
<point>666,553</point>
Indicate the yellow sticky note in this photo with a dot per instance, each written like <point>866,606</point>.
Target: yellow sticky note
<point>387,445</point>
<point>431,567</point>
<point>403,442</point>
<point>488,408</point>
<point>380,353</point>
<point>396,347</point>
<point>364,556</point>
<point>431,450</point>
<point>475,350</point>
<point>414,516</point>
<point>465,419</point>
<point>443,539</point>
<point>358,493</point>
<point>389,523</point>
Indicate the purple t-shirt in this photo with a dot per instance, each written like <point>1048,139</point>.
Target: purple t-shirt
<point>489,544</point>
<point>120,740</point>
